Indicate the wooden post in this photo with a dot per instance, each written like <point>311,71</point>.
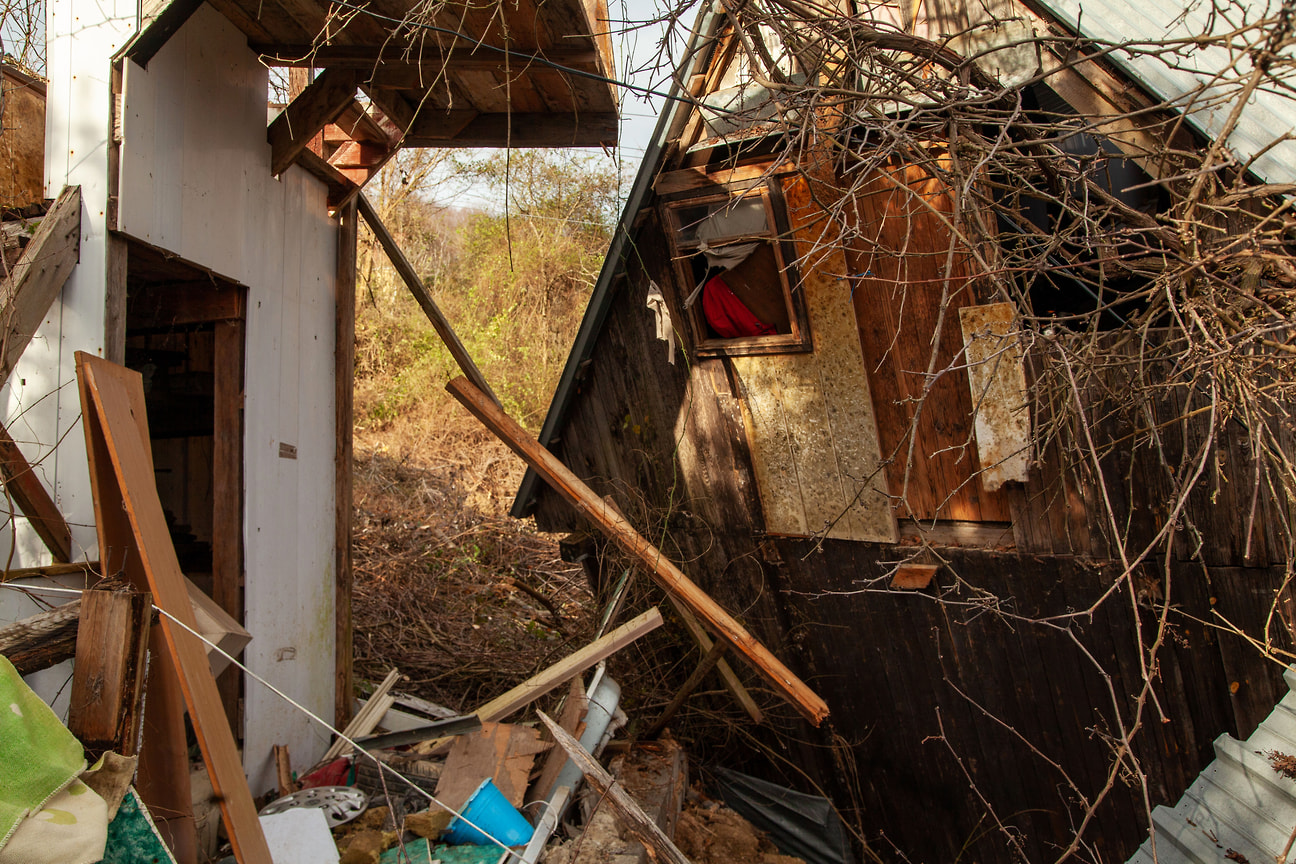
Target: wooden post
<point>108,682</point>
<point>420,292</point>
<point>227,491</point>
<point>343,462</point>
<point>669,577</point>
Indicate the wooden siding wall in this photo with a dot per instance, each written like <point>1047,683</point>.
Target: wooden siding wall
<point>195,180</point>
<point>897,668</point>
<point>22,141</point>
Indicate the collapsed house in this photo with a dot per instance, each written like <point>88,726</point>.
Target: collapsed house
<point>900,347</point>
<point>215,255</point>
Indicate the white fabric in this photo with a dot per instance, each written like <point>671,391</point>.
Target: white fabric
<point>665,332</point>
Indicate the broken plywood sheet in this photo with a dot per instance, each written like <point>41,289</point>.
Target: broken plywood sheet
<point>997,378</point>
<point>810,420</point>
<point>502,752</point>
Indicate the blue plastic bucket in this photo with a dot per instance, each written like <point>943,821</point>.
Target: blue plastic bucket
<point>488,808</point>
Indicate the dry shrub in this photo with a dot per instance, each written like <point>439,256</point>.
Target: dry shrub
<point>449,589</point>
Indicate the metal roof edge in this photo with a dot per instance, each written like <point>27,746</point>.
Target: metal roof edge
<point>601,299</point>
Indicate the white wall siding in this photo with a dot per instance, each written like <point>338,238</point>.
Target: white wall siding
<point>195,180</point>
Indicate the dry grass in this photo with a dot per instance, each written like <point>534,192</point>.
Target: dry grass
<point>460,597</point>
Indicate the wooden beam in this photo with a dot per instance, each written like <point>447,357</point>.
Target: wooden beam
<point>430,62</point>
<point>341,188</point>
<point>306,116</point>
<point>569,667</point>
<point>681,696</point>
<point>27,491</point>
<point>42,640</point>
<point>660,847</point>
<point>112,396</point>
<point>39,275</point>
<point>115,297</point>
<point>669,577</point>
<point>13,574</point>
<point>412,281</point>
<point>343,462</point>
<point>358,125</point>
<point>393,106</point>
<point>727,674</point>
<point>519,129</point>
<point>108,680</point>
<point>165,307</point>
<point>227,487</point>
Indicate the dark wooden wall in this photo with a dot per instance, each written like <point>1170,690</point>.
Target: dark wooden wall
<point>990,697</point>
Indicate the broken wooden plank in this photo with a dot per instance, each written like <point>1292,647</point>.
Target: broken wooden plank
<point>41,640</point>
<point>669,577</point>
<point>163,777</point>
<point>502,752</point>
<point>661,847</point>
<point>113,397</point>
<point>412,281</point>
<point>569,667</point>
<point>366,719</point>
<point>27,491</point>
<point>306,116</point>
<point>913,577</point>
<point>572,719</point>
<point>217,627</point>
<point>106,705</point>
<point>38,276</point>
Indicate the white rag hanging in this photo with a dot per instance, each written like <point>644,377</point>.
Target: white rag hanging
<point>665,332</point>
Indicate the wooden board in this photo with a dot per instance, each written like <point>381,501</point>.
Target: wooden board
<point>899,286</point>
<point>501,752</point>
<point>997,386</point>
<point>810,425</point>
<point>115,394</point>
<point>108,681</point>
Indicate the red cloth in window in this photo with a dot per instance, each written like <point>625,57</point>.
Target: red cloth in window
<point>728,316</point>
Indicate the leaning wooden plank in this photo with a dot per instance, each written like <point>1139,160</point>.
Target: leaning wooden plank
<point>40,641</point>
<point>38,276</point>
<point>27,491</point>
<point>681,696</point>
<point>671,579</point>
<point>727,674</point>
<point>420,292</point>
<point>366,719</point>
<point>163,777</point>
<point>645,830</point>
<point>114,393</point>
<point>569,667</point>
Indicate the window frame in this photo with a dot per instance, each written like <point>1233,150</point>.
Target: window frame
<point>778,235</point>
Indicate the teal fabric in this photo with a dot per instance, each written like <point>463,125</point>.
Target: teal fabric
<point>421,852</point>
<point>132,838</point>
<point>38,755</point>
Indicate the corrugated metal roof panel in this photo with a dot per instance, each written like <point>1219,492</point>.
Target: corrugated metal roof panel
<point>1238,804</point>
<point>1203,81</point>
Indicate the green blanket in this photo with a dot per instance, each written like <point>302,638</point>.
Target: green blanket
<point>38,755</point>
